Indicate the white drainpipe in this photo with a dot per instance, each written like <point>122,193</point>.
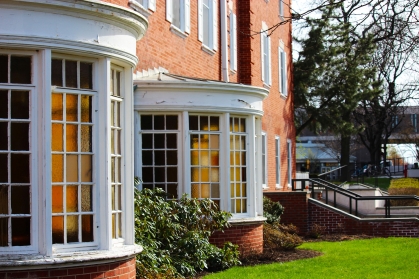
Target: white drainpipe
<point>223,33</point>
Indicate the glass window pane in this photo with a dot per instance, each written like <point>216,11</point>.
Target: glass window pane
<point>118,84</point>
<point>159,122</point>
<point>4,68</point>
<point>172,191</point>
<point>86,75</point>
<point>86,168</point>
<point>86,108</point>
<point>205,175</point>
<point>203,123</point>
<point>57,168</point>
<point>4,103</point>
<point>242,125</point>
<point>147,141</point>
<point>19,139</point>
<point>159,158</point>
<point>112,81</point>
<point>21,228</point>
<point>57,199</point>
<point>57,137</point>
<point>113,201</point>
<point>147,157</point>
<point>20,69</point>
<point>71,107</point>
<point>215,176</point>
<point>87,228</point>
<point>19,104</point>
<point>215,158</point>
<point>4,136</point>
<point>171,157</point>
<point>20,168</point>
<point>56,106</point>
<point>57,229</point>
<point>205,191</point>
<point>4,232</point>
<point>159,141</point>
<point>4,200</point>
<point>159,174</point>
<point>86,138</point>
<point>20,200</point>
<point>171,141</point>
<point>171,174</point>
<point>147,174</point>
<point>195,191</point>
<point>72,228</point>
<point>86,198</point>
<point>72,168</point>
<point>214,141</point>
<point>215,191</point>
<point>72,199</point>
<point>214,123</point>
<point>171,122</point>
<point>71,138</point>
<point>71,74</point>
<point>57,72</point>
<point>193,123</point>
<point>146,122</point>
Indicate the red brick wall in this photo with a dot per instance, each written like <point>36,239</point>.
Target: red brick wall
<point>335,222</point>
<point>296,210</point>
<point>248,237</point>
<point>117,270</point>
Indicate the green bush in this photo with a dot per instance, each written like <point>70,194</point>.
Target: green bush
<point>175,236</point>
<point>278,237</point>
<point>404,186</point>
<point>272,211</point>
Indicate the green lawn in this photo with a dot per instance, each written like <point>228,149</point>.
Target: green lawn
<point>381,182</point>
<point>369,258</point>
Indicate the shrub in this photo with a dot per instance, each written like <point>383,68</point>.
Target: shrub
<point>175,236</point>
<point>316,231</point>
<point>272,211</point>
<point>404,186</point>
<point>277,237</point>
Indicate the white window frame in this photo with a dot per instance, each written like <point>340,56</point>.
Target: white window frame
<point>264,160</point>
<point>185,17</point>
<point>265,50</point>
<point>282,64</point>
<point>212,28</point>
<point>289,162</point>
<point>233,41</point>
<point>145,7</point>
<point>35,145</point>
<point>277,162</point>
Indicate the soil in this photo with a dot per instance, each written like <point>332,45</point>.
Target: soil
<point>270,256</point>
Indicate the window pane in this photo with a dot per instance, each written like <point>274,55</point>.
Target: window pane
<point>57,229</point>
<point>72,199</point>
<point>159,122</point>
<point>57,106</point>
<point>203,123</point>
<point>19,139</point>
<point>171,122</point>
<point>71,107</point>
<point>4,200</point>
<point>20,168</point>
<point>159,141</point>
<point>4,104</point>
<point>20,200</point>
<point>72,228</point>
<point>57,72</point>
<point>87,228</point>
<point>20,104</point>
<point>86,108</point>
<point>118,83</point>
<point>71,74</point>
<point>57,199</point>
<point>57,137</point>
<point>57,168</point>
<point>86,198</point>
<point>4,136</point>
<point>86,168</point>
<point>20,69</point>
<point>71,138</point>
<point>176,14</point>
<point>86,138</point>
<point>71,168</point>
<point>4,68</point>
<point>193,123</point>
<point>146,122</point>
<point>86,75</point>
<point>4,232</point>
<point>21,228</point>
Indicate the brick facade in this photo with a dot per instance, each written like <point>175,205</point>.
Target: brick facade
<point>248,237</point>
<point>116,270</point>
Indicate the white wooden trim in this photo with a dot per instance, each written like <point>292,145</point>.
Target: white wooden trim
<point>152,5</point>
<point>200,21</point>
<point>169,10</point>
<point>187,18</point>
<point>214,28</point>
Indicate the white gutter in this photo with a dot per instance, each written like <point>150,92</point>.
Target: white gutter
<point>223,33</point>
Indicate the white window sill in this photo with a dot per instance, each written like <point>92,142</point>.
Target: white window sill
<point>137,7</point>
<point>266,86</point>
<point>246,220</point>
<point>233,72</point>
<point>207,50</point>
<point>178,32</point>
<point>283,96</point>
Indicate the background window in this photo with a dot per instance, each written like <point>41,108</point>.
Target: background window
<point>160,161</point>
<point>282,72</point>
<point>207,23</point>
<point>178,14</point>
<point>233,42</point>
<point>264,162</point>
<point>277,162</point>
<point>266,57</point>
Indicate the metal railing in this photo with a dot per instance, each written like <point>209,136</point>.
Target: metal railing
<point>353,198</point>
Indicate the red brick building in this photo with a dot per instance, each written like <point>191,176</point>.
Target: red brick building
<point>191,96</point>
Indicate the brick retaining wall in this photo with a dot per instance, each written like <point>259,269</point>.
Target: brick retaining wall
<point>338,222</point>
<point>117,270</point>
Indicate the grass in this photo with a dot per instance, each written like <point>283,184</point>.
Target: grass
<point>379,258</point>
<point>382,182</point>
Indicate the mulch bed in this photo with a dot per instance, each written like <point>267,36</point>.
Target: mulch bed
<point>271,256</point>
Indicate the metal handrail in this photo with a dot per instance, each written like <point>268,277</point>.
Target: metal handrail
<point>319,183</point>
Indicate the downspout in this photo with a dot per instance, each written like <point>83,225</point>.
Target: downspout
<point>224,42</point>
